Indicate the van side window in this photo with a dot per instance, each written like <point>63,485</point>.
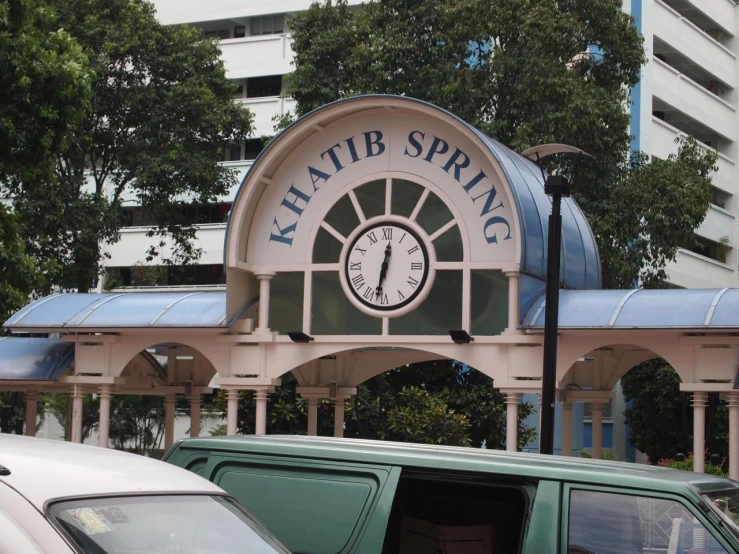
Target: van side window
<point>608,523</point>
<point>443,513</point>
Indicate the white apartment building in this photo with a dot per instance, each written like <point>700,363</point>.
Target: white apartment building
<point>689,86</point>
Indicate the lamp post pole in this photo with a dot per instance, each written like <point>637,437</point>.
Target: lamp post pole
<point>555,186</point>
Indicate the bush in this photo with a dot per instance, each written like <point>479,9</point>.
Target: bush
<point>687,465</point>
<point>605,455</point>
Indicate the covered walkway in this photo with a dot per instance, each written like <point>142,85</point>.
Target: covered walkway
<point>319,220</point>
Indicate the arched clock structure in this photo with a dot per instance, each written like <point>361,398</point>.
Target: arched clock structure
<point>380,230</point>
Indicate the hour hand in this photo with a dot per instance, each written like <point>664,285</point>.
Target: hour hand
<point>383,270</point>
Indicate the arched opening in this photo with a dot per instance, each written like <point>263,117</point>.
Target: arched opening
<point>646,413</point>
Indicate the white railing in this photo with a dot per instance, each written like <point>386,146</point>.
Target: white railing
<point>692,270</point>
<point>718,223</point>
<point>264,109</point>
<point>688,97</point>
<point>132,247</point>
<point>663,144</point>
<point>257,56</point>
<point>686,38</point>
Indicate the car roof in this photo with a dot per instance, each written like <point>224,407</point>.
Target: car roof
<point>450,458</point>
<point>42,470</point>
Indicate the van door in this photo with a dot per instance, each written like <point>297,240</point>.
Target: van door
<point>312,506</point>
<point>619,521</point>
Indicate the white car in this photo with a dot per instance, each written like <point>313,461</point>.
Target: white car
<point>58,497</point>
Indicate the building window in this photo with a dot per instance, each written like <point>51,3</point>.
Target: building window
<point>252,148</point>
<point>268,25</point>
<point>239,31</point>
<point>718,251</point>
<point>219,34</point>
<point>192,214</point>
<point>162,276</point>
<point>260,87</point>
<point>719,197</point>
<point>233,153</point>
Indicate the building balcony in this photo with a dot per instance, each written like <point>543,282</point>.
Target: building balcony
<point>717,14</point>
<point>663,144</point>
<point>688,41</point>
<point>718,224</point>
<point>131,249</point>
<point>692,270</point>
<point>257,56</point>
<point>692,100</point>
<point>264,109</point>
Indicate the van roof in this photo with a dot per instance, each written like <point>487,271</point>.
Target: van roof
<point>42,470</point>
<point>452,458</point>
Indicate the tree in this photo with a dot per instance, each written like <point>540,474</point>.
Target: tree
<point>45,90</point>
<point>59,405</point>
<point>525,72</point>
<point>436,402</point>
<point>136,422</point>
<point>661,417</point>
<point>162,114</point>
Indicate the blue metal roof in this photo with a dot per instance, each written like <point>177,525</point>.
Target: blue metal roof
<point>129,309</point>
<point>641,309</point>
<point>580,266</point>
<point>30,359</point>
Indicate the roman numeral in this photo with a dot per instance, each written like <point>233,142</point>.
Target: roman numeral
<point>416,266</point>
<point>383,299</point>
<point>358,281</point>
<point>368,293</point>
<point>360,250</point>
<point>400,295</point>
<point>372,237</point>
<point>387,233</point>
<point>412,282</point>
<point>412,250</point>
<point>356,266</point>
<point>401,238</point>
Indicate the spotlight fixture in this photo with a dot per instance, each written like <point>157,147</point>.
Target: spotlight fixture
<point>461,337</point>
<point>299,336</point>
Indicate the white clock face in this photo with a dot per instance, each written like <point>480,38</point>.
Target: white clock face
<point>386,266</point>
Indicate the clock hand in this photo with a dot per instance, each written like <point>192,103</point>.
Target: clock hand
<point>383,270</point>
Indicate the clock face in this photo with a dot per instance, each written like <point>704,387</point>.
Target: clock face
<point>386,266</point>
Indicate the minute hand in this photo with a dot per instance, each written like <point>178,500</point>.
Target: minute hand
<point>383,270</point>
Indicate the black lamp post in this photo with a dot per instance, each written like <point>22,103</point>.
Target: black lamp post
<point>557,187</point>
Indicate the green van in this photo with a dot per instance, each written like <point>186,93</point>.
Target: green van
<point>328,496</point>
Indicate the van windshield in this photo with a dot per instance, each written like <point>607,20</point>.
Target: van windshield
<point>153,524</point>
<point>726,504</point>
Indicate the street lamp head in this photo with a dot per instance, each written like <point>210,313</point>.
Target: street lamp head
<point>557,185</point>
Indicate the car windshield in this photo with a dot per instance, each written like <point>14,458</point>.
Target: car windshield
<point>726,504</point>
<point>158,524</point>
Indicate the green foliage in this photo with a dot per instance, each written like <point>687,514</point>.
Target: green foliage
<point>437,402</point>
<point>422,416</point>
<point>521,71</point>
<point>687,465</point>
<point>661,417</point>
<point>136,423</point>
<point>162,114</point>
<point>45,90</point>
<point>59,405</point>
<point>609,455</point>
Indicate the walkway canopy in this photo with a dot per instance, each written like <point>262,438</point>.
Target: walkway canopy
<point>694,309</point>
